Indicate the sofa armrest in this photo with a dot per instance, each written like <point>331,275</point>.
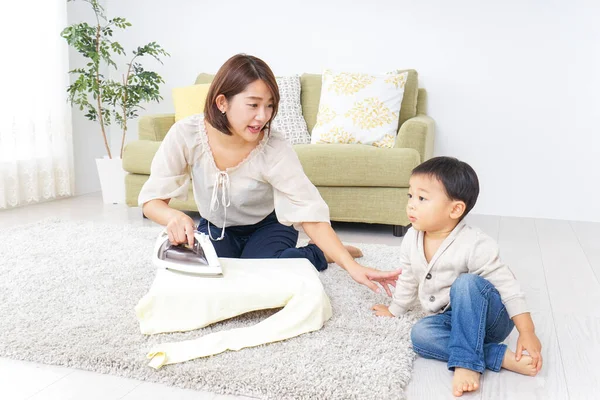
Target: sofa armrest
<point>155,127</point>
<point>417,133</point>
<point>138,156</point>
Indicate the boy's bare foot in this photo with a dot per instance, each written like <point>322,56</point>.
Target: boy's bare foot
<point>465,380</point>
<point>523,366</point>
<point>354,252</point>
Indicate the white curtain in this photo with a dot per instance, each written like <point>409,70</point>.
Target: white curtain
<point>36,161</point>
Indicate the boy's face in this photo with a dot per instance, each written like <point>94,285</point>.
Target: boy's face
<point>429,207</point>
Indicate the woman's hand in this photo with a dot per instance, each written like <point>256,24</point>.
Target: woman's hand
<point>368,276</point>
<point>180,229</point>
<point>324,237</point>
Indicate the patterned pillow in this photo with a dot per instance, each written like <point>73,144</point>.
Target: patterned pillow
<point>359,108</point>
<point>289,120</point>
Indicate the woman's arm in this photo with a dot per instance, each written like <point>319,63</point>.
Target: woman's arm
<point>180,226</point>
<point>325,238</point>
<point>170,178</point>
<point>298,200</point>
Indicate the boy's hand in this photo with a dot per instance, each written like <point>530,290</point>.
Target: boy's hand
<point>530,342</point>
<point>382,311</point>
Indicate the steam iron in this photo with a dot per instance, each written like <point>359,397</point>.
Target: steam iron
<point>200,260</point>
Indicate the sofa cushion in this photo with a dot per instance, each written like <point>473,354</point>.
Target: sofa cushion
<point>189,100</point>
<point>289,120</point>
<point>331,165</point>
<point>311,95</point>
<point>204,78</point>
<point>359,108</point>
<point>411,93</point>
<point>357,165</point>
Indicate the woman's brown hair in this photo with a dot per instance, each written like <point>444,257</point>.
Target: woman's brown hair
<point>233,78</point>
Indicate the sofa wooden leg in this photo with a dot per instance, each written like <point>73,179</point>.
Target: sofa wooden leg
<point>400,230</point>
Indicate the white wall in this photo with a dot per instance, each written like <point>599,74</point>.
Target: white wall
<point>513,86</point>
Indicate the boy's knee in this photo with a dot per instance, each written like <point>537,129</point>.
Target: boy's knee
<point>467,282</point>
<point>420,334</point>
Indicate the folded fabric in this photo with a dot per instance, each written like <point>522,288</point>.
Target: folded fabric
<point>183,302</point>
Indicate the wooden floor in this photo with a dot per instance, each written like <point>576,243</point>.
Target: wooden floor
<point>557,263</point>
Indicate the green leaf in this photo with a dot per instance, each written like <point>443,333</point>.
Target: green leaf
<point>118,101</point>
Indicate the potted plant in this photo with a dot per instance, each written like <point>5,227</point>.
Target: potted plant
<point>107,100</point>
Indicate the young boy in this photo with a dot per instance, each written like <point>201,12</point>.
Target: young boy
<point>455,273</point>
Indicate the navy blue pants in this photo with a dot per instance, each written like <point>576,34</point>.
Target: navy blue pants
<point>266,239</point>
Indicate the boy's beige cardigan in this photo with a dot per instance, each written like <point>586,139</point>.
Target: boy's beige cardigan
<point>467,250</point>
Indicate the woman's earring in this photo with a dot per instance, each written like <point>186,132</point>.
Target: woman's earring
<point>223,112</point>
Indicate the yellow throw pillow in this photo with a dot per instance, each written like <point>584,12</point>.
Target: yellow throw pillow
<point>189,100</point>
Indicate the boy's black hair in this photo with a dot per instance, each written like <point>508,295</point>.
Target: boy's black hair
<point>458,178</point>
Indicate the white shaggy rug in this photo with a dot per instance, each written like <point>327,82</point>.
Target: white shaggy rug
<point>67,297</point>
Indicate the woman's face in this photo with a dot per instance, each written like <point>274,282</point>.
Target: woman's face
<point>249,111</point>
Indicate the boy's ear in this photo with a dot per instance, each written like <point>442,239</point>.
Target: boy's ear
<point>458,209</point>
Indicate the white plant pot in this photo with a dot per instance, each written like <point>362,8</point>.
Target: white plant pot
<point>112,179</point>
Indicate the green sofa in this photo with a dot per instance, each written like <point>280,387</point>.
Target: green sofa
<point>360,183</point>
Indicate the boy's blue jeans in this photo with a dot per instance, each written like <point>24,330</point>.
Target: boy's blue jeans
<point>469,332</point>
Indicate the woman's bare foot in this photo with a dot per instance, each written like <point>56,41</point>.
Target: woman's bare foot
<point>354,252</point>
<point>465,380</point>
<point>523,366</point>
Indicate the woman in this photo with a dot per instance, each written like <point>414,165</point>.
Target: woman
<point>248,183</point>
